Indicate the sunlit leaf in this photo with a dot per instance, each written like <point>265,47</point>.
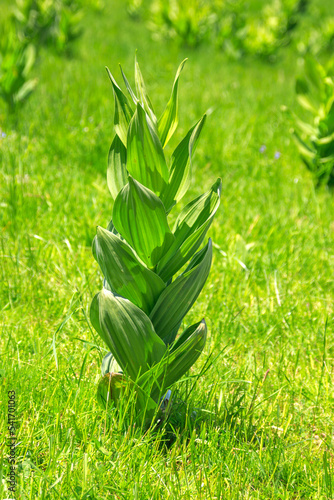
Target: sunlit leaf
<point>169,119</point>
<point>128,333</point>
<point>178,297</point>
<point>179,176</point>
<point>145,156</point>
<point>125,275</point>
<point>117,175</point>
<point>140,217</point>
<point>189,231</point>
<point>123,112</point>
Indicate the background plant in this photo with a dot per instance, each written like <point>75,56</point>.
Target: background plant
<point>315,136</point>
<point>141,307</point>
<point>16,62</point>
<point>229,24</point>
<point>55,23</point>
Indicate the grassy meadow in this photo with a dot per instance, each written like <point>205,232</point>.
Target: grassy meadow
<point>258,404</point>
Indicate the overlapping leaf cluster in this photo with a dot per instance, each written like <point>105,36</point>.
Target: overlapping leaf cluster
<point>16,62</point>
<point>141,307</point>
<point>315,137</point>
<point>230,25</point>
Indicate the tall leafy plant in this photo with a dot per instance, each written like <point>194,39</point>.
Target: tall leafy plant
<point>152,273</point>
<point>315,136</point>
<point>16,62</point>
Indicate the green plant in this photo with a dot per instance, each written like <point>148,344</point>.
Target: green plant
<point>34,20</point>
<point>265,34</point>
<point>315,137</point>
<point>319,38</point>
<point>16,62</point>
<point>55,23</point>
<point>141,307</point>
<point>188,22</point>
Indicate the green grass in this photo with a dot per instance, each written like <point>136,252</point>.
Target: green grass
<point>264,407</point>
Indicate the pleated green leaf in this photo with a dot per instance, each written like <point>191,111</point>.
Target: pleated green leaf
<point>179,176</point>
<point>177,360</point>
<point>184,355</point>
<point>128,333</point>
<point>140,217</point>
<point>123,111</point>
<point>142,93</point>
<point>145,156</point>
<point>169,119</point>
<point>124,273</point>
<point>189,231</point>
<point>178,297</point>
<point>117,175</point>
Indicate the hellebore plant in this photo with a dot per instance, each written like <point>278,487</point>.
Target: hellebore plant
<point>315,137</point>
<point>141,307</point>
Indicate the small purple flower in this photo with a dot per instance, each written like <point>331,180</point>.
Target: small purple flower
<point>3,134</point>
<point>277,155</point>
<point>262,148</point>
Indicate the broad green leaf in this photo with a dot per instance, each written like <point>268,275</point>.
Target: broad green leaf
<point>123,111</point>
<point>185,353</point>
<point>140,217</point>
<point>128,333</point>
<point>180,167</point>
<point>142,93</point>
<point>178,297</point>
<point>117,175</point>
<point>124,273</point>
<point>189,231</point>
<point>177,360</point>
<point>169,119</point>
<point>145,156</point>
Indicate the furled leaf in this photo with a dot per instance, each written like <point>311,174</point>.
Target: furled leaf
<point>190,230</point>
<point>180,167</point>
<point>128,333</point>
<point>169,119</point>
<point>145,156</point>
<point>142,93</point>
<point>129,88</point>
<point>117,175</point>
<point>109,364</point>
<point>140,217</point>
<point>124,273</point>
<point>178,297</point>
<point>176,361</point>
<point>123,112</point>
